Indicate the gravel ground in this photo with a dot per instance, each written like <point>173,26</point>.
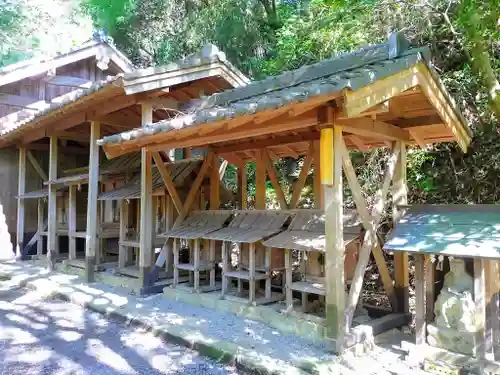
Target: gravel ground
<point>54,337</point>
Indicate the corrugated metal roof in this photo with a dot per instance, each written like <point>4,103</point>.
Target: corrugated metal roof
<point>456,230</point>
<point>352,70</point>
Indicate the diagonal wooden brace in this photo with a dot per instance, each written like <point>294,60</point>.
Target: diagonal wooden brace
<point>370,222</point>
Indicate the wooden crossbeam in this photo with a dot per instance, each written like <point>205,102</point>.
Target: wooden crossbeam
<point>271,172</point>
<point>37,166</point>
<point>299,184</point>
<point>167,180</point>
<point>370,222</point>
<point>368,127</point>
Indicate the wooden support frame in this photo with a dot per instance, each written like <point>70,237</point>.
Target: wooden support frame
<point>167,180</point>
<point>273,177</point>
<point>242,186</point>
<point>41,228</point>
<point>146,219</point>
<point>52,248</point>
<point>483,343</point>
<point>123,250</point>
<point>420,301</point>
<point>299,184</point>
<point>400,199</point>
<point>72,222</point>
<point>93,191</point>
<point>21,188</point>
<point>37,166</point>
<point>370,222</point>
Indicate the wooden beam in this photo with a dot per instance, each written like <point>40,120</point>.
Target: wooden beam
<point>299,184</point>
<point>37,166</point>
<point>318,187</point>
<point>415,122</point>
<point>146,224</point>
<point>73,136</point>
<point>273,177</point>
<point>368,127</point>
<point>331,178</point>
<point>165,103</point>
<point>68,81</point>
<point>420,141</point>
<point>52,238</point>
<point>21,188</point>
<point>72,222</point>
<point>167,180</point>
<point>91,253</point>
<point>400,199</point>
<point>63,150</point>
<point>358,142</point>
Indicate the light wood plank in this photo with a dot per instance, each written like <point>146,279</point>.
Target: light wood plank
<point>167,180</point>
<point>260,181</point>
<point>271,172</point>
<point>429,290</point>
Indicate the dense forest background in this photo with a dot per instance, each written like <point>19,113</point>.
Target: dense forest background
<point>266,37</point>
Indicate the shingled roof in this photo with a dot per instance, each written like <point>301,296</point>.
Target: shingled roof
<point>347,71</point>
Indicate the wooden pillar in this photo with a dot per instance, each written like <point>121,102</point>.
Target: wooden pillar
<point>242,186</point>
<point>429,290</point>
<point>420,307</point>
<point>331,179</point>
<point>21,189</point>
<point>260,181</point>
<point>72,222</point>
<point>92,214</point>
<point>41,228</point>
<point>399,197</point>
<point>215,178</point>
<point>123,253</point>
<point>483,344</point>
<point>146,225</point>
<point>318,187</point>
<point>52,238</point>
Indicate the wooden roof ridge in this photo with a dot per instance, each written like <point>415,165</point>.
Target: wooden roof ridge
<point>32,67</point>
<point>342,75</point>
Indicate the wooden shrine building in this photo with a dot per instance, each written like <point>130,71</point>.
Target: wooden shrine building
<point>54,111</point>
<point>385,95</point>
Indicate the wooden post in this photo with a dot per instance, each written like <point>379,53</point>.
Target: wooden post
<point>21,188</point>
<point>401,265</point>
<point>318,187</point>
<point>41,228</point>
<point>176,263</point>
<point>196,265</point>
<point>214,205</point>
<point>251,282</point>
<point>146,235</point>
<point>72,222</point>
<point>242,186</point>
<point>225,268</point>
<point>122,249</point>
<point>92,214</point>
<point>269,275</point>
<point>288,280</point>
<point>331,179</point>
<point>429,290</point>
<point>483,345</point>
<point>420,326</point>
<point>52,247</point>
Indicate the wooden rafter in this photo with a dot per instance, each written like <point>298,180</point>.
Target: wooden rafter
<point>375,129</point>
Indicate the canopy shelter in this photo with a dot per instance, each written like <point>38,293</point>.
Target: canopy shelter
<point>306,233</point>
<point>467,235</point>
<point>248,229</point>
<point>75,109</point>
<point>385,95</point>
<point>196,226</point>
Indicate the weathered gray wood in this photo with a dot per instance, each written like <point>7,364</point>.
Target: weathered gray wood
<point>21,188</point>
<point>288,280</point>
<point>93,192</point>
<point>429,290</point>
<point>267,264</point>
<point>41,228</point>
<point>331,141</point>
<point>196,263</point>
<point>37,166</point>
<point>420,322</point>
<point>212,260</point>
<point>52,205</point>
<point>251,269</point>
<point>72,222</point>
<point>483,345</point>
<point>225,267</point>
<point>123,258</point>
<point>176,262</point>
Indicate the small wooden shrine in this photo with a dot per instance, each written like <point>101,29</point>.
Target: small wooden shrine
<point>385,95</point>
<point>458,312</point>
